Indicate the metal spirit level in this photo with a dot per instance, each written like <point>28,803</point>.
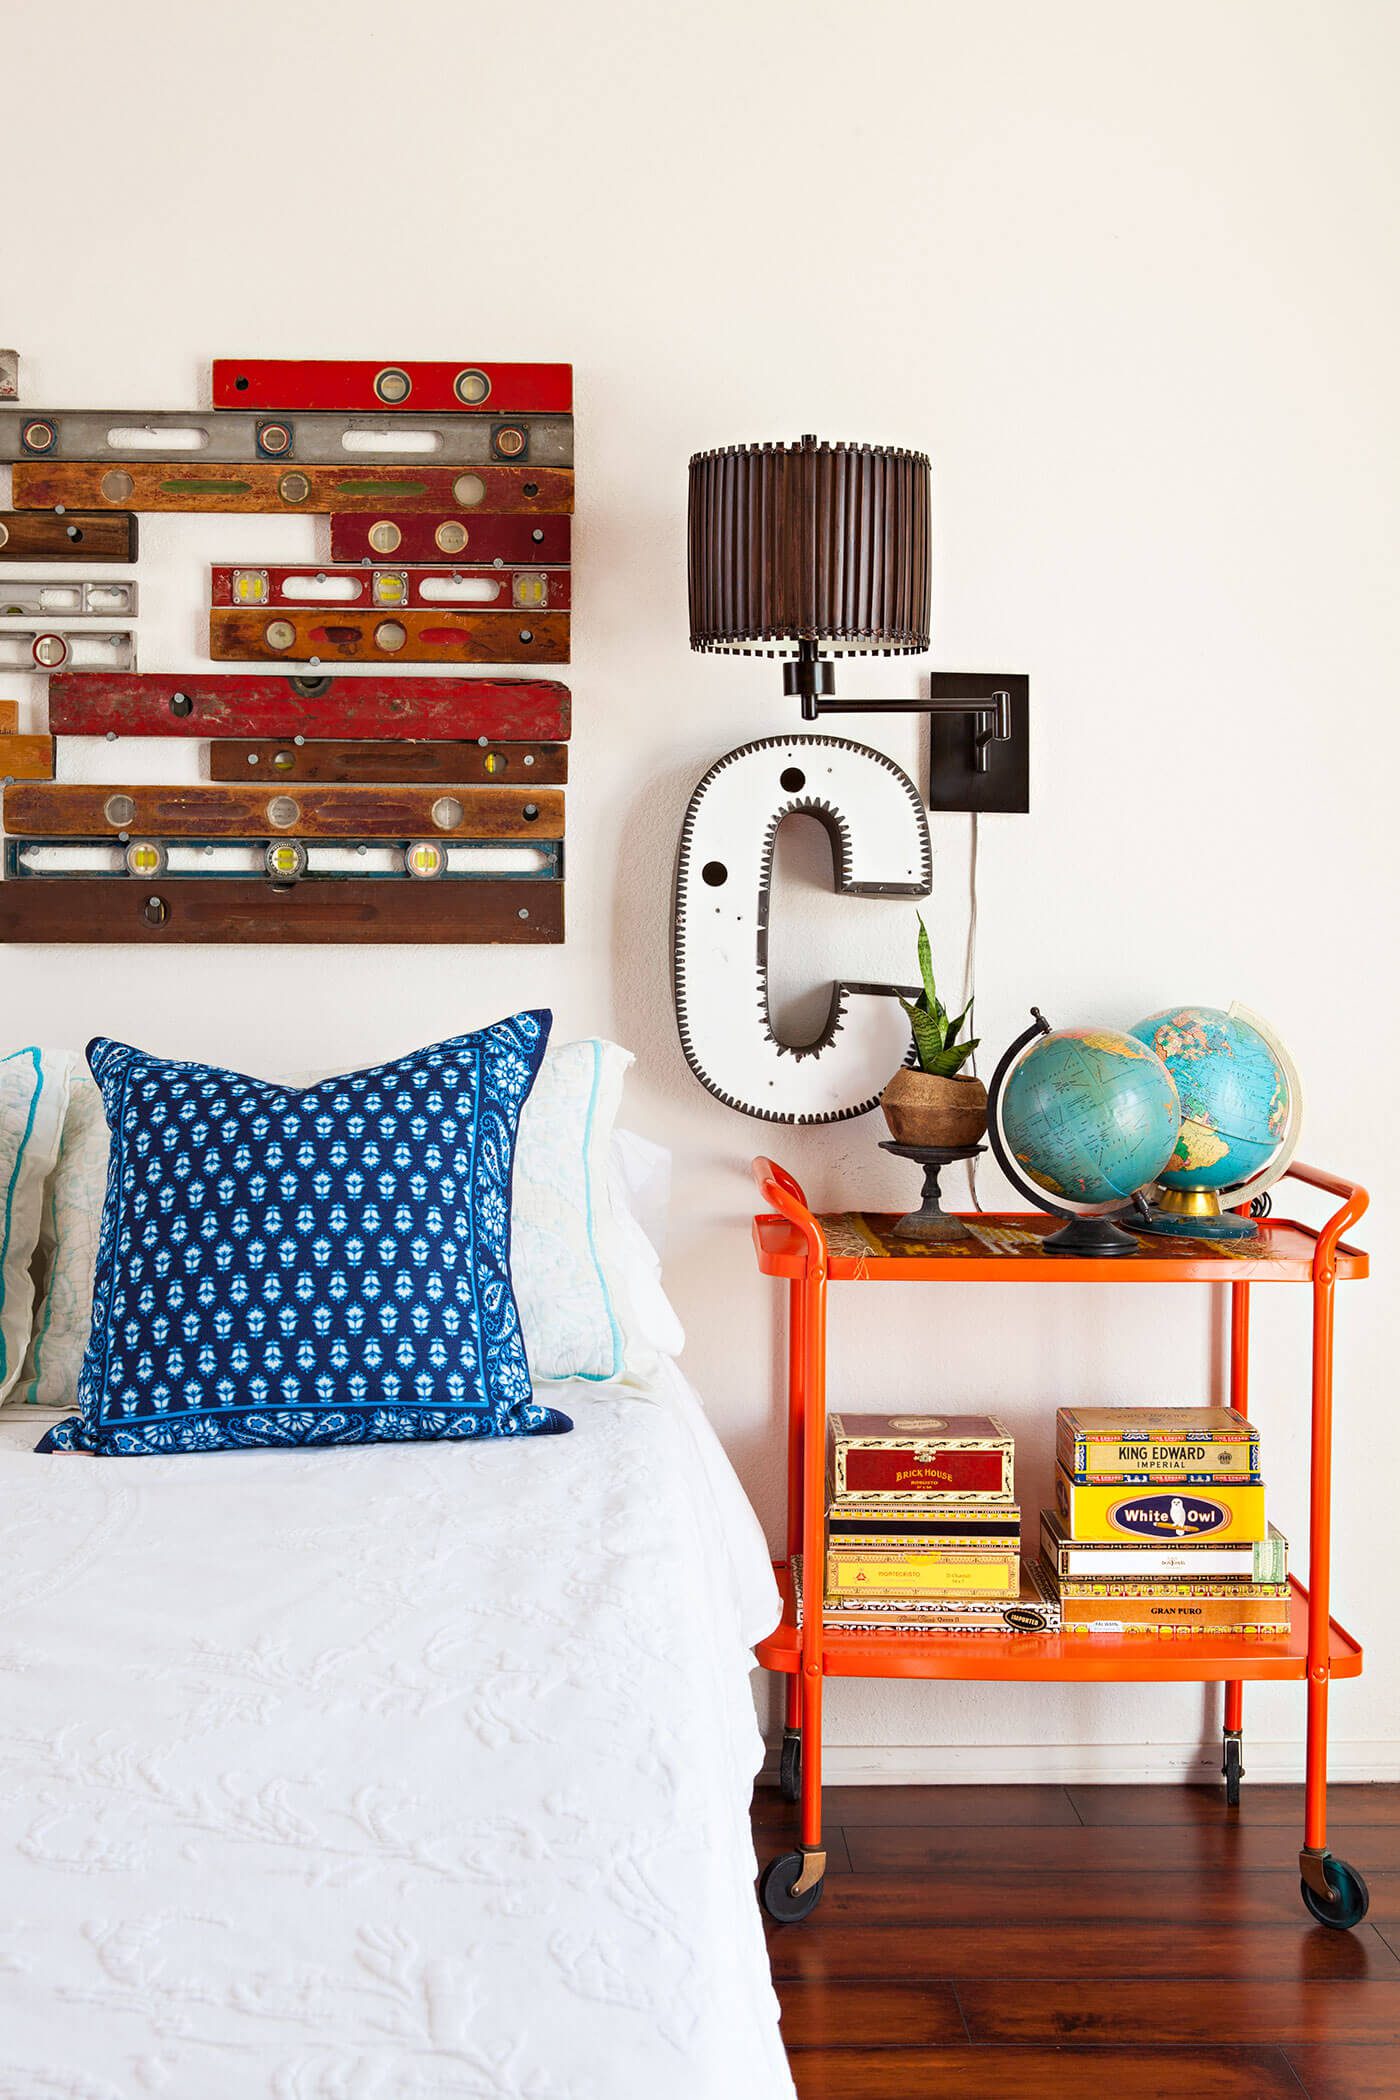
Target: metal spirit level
<point>81,599</point>
<point>238,437</point>
<point>51,648</point>
<point>279,860</point>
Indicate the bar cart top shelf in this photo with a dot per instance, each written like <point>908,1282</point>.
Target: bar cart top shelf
<point>1005,1247</point>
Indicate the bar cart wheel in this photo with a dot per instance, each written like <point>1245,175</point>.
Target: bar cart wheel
<point>790,1765</point>
<point>1233,1767</point>
<point>1350,1899</point>
<point>780,1892</point>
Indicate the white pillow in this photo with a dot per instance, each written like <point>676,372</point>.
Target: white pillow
<point>639,1181</point>
<point>33,1098</point>
<point>587,1281</point>
<point>573,1257</point>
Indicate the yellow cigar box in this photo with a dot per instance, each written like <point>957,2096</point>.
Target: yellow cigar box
<point>1157,1516</point>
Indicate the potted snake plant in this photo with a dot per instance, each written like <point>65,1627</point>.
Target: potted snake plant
<point>932,1101</point>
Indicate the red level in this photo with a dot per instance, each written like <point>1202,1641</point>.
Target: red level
<point>375,590</point>
<point>402,536</point>
<point>96,703</point>
<point>355,383</point>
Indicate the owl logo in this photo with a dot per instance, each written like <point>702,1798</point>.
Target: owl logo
<point>1178,1515</point>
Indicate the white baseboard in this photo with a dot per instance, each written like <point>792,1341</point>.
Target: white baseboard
<point>1085,1764</point>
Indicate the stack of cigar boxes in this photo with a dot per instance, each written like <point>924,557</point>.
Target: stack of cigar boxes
<point>923,1529</point>
<point>1159,1525</point>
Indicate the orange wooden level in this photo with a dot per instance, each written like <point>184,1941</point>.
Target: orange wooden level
<point>809,1252</point>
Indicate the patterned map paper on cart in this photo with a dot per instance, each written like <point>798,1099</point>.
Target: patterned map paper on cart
<point>856,1235</point>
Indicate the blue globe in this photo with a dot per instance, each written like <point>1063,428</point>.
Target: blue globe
<point>1233,1092</point>
<point>1090,1115</point>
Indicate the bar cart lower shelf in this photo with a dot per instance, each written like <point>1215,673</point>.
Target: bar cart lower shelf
<point>808,1252</point>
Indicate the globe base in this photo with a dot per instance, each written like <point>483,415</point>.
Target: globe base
<point>1090,1236</point>
<point>1181,1225</point>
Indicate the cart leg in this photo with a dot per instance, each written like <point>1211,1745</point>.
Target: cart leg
<point>792,1884</point>
<point>1332,1890</point>
<point>1232,1742</point>
<point>797,1386</point>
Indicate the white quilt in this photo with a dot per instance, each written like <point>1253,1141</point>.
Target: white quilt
<point>398,1773</point>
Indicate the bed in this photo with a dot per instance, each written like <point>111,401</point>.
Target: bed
<point>408,1772</point>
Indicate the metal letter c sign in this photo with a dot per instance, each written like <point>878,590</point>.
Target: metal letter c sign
<point>880,841</point>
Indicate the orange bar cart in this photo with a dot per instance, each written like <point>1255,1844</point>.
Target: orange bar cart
<point>808,1253</point>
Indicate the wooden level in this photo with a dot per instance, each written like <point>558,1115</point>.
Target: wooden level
<point>434,387</point>
<point>454,537</point>
<point>533,765</point>
<point>269,485</point>
<point>9,717</point>
<point>383,589</point>
<point>69,810</point>
<point>76,909</point>
<point>24,757</point>
<point>444,635</point>
<point>27,535</point>
<point>217,704</point>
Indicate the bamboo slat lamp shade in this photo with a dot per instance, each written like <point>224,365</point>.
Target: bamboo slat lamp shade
<point>793,548</point>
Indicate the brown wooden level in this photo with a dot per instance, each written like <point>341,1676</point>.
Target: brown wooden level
<point>26,757</point>
<point>28,535</point>
<point>442,636</point>
<point>9,717</point>
<point>269,485</point>
<point>518,765</point>
<point>76,909</point>
<point>73,810</point>
<point>99,703</point>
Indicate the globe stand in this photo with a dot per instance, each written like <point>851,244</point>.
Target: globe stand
<point>1089,1236</point>
<point>931,1221</point>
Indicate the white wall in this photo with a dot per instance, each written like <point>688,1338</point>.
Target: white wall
<point>1128,275</point>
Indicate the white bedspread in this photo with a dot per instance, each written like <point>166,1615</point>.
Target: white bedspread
<point>401,1773</point>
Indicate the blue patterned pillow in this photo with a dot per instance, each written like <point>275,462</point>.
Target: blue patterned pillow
<point>319,1265</point>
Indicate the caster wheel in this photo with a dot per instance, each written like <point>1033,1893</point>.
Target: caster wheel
<point>790,1766</point>
<point>1353,1898</point>
<point>775,1890</point>
<point>1233,1769</point>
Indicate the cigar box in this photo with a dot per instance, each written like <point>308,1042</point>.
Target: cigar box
<point>917,1458</point>
<point>1200,1445</point>
<point>1231,1511</point>
<point>1133,1561</point>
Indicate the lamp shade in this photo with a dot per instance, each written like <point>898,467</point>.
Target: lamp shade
<point>809,543</point>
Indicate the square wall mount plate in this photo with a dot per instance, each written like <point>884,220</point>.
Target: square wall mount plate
<point>955,783</point>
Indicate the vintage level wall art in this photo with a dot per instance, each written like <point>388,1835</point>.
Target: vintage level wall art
<point>384,805</point>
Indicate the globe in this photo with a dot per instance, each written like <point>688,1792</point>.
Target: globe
<point>1090,1115</point>
<point>1234,1096</point>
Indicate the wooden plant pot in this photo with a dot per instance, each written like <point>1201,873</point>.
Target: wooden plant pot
<point>922,1109</point>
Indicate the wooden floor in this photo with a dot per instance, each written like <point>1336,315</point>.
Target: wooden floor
<point>1105,1943</point>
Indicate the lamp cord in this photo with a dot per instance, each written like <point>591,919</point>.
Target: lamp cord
<point>970,975</point>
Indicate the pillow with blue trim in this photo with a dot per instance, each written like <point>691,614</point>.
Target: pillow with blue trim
<point>309,1265</point>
